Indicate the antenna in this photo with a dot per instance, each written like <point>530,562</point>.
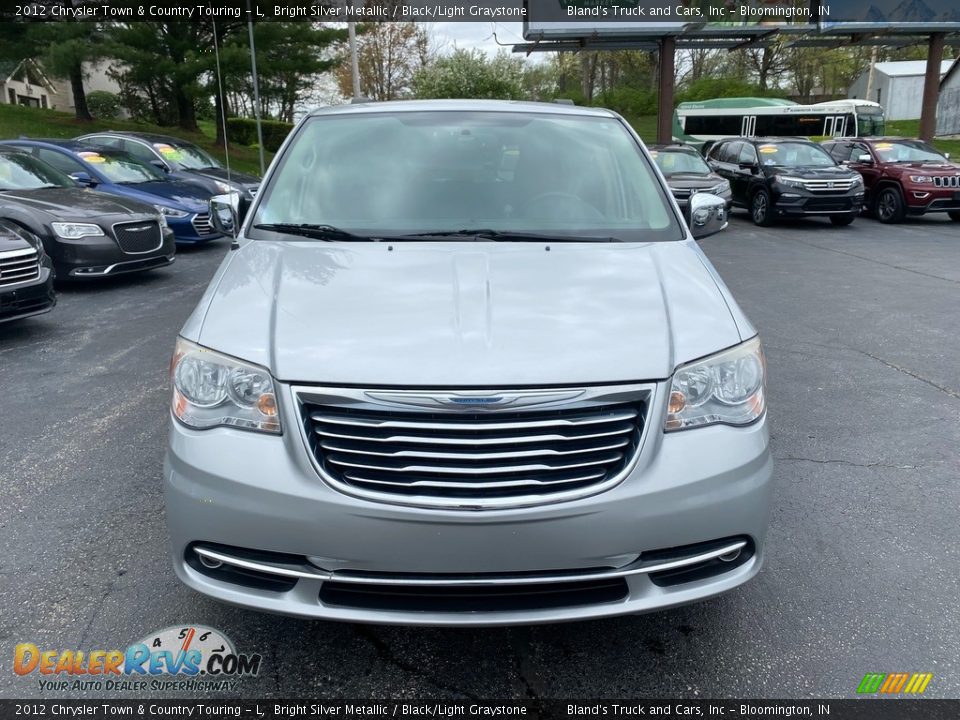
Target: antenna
<point>223,104</point>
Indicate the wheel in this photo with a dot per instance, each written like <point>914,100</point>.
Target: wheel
<point>841,220</point>
<point>954,215</point>
<point>760,210</point>
<point>888,207</point>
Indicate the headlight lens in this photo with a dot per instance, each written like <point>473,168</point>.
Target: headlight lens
<point>720,189</point>
<point>75,231</point>
<point>858,181</point>
<point>222,186</point>
<point>921,179</point>
<point>789,181</point>
<point>210,389</point>
<point>171,212</point>
<point>727,388</point>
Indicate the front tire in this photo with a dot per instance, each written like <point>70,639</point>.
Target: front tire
<point>842,220</point>
<point>888,206</point>
<point>760,211</point>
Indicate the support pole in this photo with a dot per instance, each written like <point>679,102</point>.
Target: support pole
<point>354,60</point>
<point>256,87</point>
<point>668,46</point>
<point>931,88</point>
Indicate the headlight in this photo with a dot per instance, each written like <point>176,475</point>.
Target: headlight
<point>858,181</point>
<point>222,186</point>
<point>75,231</point>
<point>726,388</point>
<point>171,212</point>
<point>720,189</point>
<point>921,179</point>
<point>789,181</point>
<point>162,219</point>
<point>210,389</point>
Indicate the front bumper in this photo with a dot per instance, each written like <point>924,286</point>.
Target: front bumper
<point>25,300</point>
<point>97,257</point>
<point>245,494</point>
<point>922,200</point>
<point>186,231</point>
<point>796,202</point>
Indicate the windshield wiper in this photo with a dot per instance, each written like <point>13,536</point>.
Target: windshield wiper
<point>480,234</point>
<point>317,232</point>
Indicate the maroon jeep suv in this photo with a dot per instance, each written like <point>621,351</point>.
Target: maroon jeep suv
<point>902,176</point>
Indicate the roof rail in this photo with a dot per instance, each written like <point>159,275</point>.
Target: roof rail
<point>359,100</point>
<point>563,101</point>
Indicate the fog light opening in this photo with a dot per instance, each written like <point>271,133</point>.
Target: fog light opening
<point>209,562</point>
<point>730,556</point>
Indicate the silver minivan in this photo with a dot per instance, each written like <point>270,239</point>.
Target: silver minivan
<point>466,364</point>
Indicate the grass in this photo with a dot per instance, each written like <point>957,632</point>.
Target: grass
<point>17,120</point>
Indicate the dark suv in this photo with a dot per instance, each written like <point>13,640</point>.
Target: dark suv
<point>903,176</point>
<point>787,177</point>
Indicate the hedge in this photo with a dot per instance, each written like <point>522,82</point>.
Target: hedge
<point>244,131</point>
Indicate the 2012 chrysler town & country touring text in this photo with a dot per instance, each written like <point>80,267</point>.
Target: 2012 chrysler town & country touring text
<point>466,365</point>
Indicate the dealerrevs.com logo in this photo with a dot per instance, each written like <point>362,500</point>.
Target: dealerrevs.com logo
<point>177,658</point>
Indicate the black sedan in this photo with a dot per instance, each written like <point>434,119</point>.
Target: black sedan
<point>181,159</point>
<point>687,173</point>
<point>87,234</point>
<point>26,274</point>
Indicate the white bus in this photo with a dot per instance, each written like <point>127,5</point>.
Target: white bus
<point>696,122</point>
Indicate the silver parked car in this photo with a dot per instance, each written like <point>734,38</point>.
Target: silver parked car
<point>466,366</point>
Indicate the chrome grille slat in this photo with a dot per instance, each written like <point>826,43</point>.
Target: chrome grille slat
<point>479,470</point>
<point>439,440</point>
<point>453,425</point>
<point>138,238</point>
<point>474,456</point>
<point>829,185</point>
<point>17,266</point>
<point>501,455</point>
<point>486,485</point>
<point>201,223</point>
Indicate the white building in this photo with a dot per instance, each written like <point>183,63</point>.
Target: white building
<point>26,83</point>
<point>898,86</point>
<point>948,107</point>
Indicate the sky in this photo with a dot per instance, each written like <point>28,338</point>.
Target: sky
<point>479,35</point>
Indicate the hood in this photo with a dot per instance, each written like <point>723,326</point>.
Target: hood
<point>236,178</point>
<point>75,203</point>
<point>693,180</point>
<point>934,168</point>
<point>174,193</point>
<point>466,314</point>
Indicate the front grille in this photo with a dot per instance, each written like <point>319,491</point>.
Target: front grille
<point>829,186</point>
<point>201,223</point>
<point>951,181</point>
<point>139,237</point>
<point>681,193</point>
<point>484,456</point>
<point>17,266</point>
<point>826,204</point>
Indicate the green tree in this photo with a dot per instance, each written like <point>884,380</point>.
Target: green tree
<point>470,74</point>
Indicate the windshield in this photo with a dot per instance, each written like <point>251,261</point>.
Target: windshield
<point>398,173</point>
<point>189,156</point>
<point>794,154</point>
<point>869,122</point>
<point>24,172</point>
<point>907,151</point>
<point>121,168</point>
<point>673,162</point>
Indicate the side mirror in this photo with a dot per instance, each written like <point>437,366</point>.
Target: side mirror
<point>752,167</point>
<point>227,213</point>
<point>865,159</point>
<point>706,215</point>
<point>947,155</point>
<point>160,165</point>
<point>83,179</point>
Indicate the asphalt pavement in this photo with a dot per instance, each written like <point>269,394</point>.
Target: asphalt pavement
<point>862,334</point>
